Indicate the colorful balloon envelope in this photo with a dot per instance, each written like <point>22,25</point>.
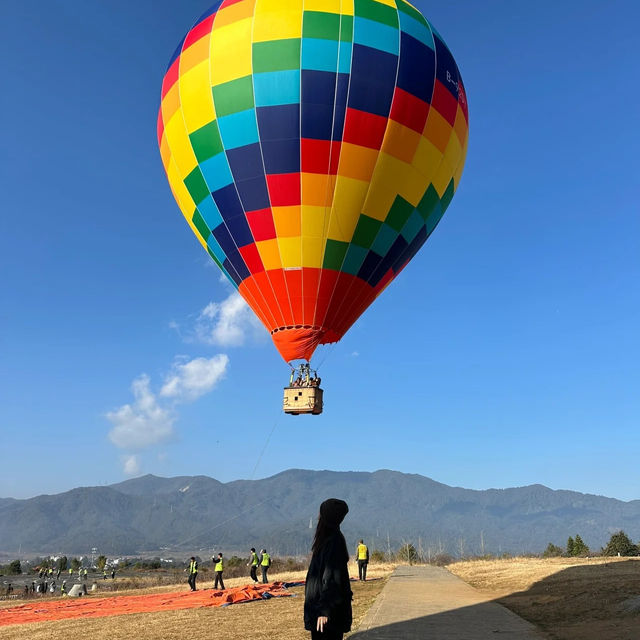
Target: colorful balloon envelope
<point>312,146</point>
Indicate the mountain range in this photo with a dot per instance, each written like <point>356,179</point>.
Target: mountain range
<point>387,508</point>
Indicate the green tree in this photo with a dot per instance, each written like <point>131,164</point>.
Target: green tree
<point>62,563</point>
<point>14,568</point>
<point>552,551</point>
<point>101,562</point>
<point>579,547</point>
<point>570,545</point>
<point>407,553</point>
<point>75,564</point>
<point>620,544</point>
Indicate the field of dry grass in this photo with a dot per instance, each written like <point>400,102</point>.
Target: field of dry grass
<point>569,599</point>
<point>261,620</point>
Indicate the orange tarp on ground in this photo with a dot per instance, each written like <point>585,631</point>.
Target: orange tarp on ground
<point>92,607</point>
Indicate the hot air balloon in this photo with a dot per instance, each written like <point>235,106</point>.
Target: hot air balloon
<point>312,146</point>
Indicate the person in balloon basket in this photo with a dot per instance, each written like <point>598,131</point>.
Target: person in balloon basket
<point>253,563</point>
<point>362,556</point>
<point>265,563</point>
<point>193,573</point>
<point>218,567</point>
<point>327,593</point>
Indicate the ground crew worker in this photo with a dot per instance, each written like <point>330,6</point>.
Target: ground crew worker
<point>63,588</point>
<point>362,554</point>
<point>85,573</point>
<point>193,573</point>
<point>218,568</point>
<point>265,563</point>
<point>70,571</point>
<point>253,563</point>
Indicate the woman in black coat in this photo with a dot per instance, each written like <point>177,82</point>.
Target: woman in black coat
<point>327,593</point>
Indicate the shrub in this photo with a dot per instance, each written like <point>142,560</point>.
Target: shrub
<point>552,551</point>
<point>377,556</point>
<point>442,559</point>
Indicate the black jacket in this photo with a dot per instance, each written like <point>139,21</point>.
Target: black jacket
<point>327,590</point>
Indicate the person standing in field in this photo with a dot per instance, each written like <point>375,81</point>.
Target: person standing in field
<point>253,563</point>
<point>362,555</point>
<point>327,594</point>
<point>265,563</point>
<point>193,573</point>
<point>218,567</point>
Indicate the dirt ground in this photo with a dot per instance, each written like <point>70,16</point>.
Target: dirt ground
<point>262,620</point>
<point>569,599</point>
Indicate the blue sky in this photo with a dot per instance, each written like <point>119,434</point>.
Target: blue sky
<point>506,353</point>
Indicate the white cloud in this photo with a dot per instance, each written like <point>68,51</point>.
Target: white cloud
<point>150,418</point>
<point>193,379</point>
<point>226,323</point>
<point>142,423</point>
<point>131,465</point>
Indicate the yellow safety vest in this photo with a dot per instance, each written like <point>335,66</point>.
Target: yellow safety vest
<point>193,567</point>
<point>362,552</point>
<point>218,566</point>
<point>266,558</point>
<point>254,559</point>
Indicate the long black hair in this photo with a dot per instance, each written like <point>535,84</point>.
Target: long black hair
<point>332,513</point>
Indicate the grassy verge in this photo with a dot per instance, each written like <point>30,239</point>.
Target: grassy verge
<point>569,598</point>
<point>261,620</point>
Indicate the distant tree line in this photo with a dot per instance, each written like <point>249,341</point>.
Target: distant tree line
<point>619,545</point>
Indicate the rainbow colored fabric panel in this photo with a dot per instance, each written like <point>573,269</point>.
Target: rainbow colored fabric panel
<point>312,146</point>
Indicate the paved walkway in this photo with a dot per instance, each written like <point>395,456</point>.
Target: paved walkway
<point>420,603</point>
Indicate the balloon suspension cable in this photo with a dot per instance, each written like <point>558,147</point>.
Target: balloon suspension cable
<point>239,513</point>
<point>307,376</point>
<point>327,352</point>
<point>264,448</point>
